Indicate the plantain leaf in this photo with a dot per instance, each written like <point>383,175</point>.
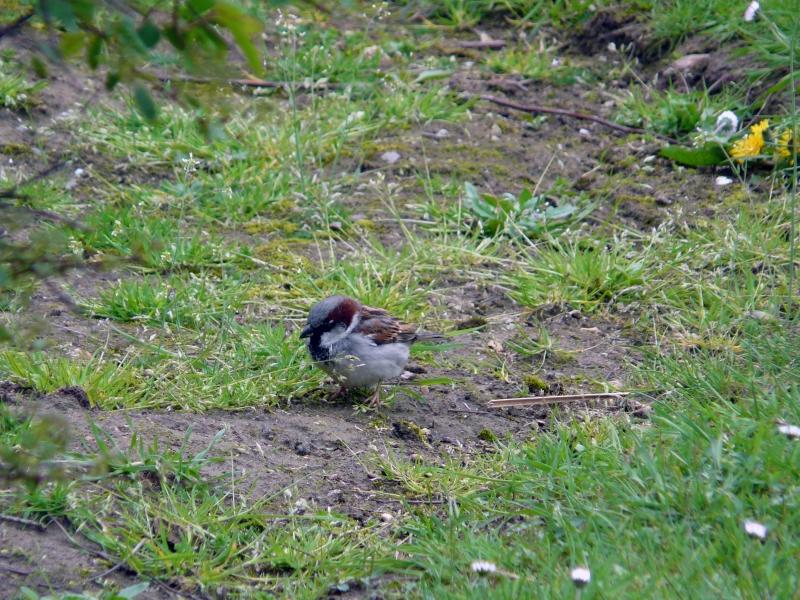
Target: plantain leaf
<point>708,155</point>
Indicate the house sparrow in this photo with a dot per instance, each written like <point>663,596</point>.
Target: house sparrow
<point>358,345</point>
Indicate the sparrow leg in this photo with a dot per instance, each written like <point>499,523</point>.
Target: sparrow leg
<point>340,393</point>
<point>375,399</point>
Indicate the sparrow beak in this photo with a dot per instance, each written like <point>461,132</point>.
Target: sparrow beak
<point>306,332</point>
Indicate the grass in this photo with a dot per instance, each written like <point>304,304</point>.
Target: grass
<point>219,245</point>
<point>654,511</point>
<point>16,92</point>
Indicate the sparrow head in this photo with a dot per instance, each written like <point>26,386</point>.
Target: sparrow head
<point>333,312</point>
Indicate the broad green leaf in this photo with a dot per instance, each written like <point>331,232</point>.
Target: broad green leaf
<point>84,9</point>
<point>243,28</point>
<point>129,37</point>
<point>60,11</point>
<point>708,155</point>
<point>198,7</point>
<point>39,67</point>
<point>112,79</point>
<point>71,43</point>
<point>149,34</point>
<point>144,102</point>
<point>93,51</point>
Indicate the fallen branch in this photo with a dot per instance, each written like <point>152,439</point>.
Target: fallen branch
<point>21,521</point>
<point>483,44</point>
<point>538,400</point>
<point>535,108</point>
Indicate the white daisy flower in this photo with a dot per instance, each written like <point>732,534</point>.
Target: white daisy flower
<point>580,576</point>
<point>755,529</point>
<point>483,567</point>
<point>751,11</point>
<point>792,431</point>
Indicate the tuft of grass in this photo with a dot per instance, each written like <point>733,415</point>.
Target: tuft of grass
<point>106,383</point>
<point>585,276</point>
<point>539,64</point>
<point>236,367</point>
<point>16,92</point>
<point>193,301</point>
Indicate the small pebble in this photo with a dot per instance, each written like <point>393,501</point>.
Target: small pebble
<point>390,157</point>
<point>722,181</point>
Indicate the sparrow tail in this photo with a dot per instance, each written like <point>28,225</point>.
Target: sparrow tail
<point>426,336</point>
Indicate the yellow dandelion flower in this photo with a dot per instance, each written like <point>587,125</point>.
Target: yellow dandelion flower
<point>751,145</point>
<point>760,127</point>
<point>748,147</point>
<point>784,147</point>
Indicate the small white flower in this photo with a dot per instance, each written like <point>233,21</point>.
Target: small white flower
<point>792,431</point>
<point>722,181</point>
<point>580,576</point>
<point>755,529</point>
<point>483,567</point>
<point>79,172</point>
<point>584,132</point>
<point>751,11</point>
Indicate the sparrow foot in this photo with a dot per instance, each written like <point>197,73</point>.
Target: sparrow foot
<point>375,399</point>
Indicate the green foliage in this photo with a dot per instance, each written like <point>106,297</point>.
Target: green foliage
<point>124,38</point>
<point>581,276</point>
<point>188,302</point>
<point>528,215</point>
<point>672,112</point>
<point>28,447</point>
<point>16,92</point>
<point>104,382</point>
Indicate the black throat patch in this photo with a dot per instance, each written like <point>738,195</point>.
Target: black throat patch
<point>318,351</point>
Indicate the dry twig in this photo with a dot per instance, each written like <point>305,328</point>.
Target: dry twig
<point>535,108</point>
<point>538,400</point>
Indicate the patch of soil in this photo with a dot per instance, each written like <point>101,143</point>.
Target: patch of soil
<point>48,562</point>
<point>614,26</point>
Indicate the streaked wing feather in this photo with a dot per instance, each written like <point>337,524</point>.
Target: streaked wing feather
<point>382,328</point>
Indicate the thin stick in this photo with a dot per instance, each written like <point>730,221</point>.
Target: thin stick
<point>21,521</point>
<point>536,400</point>
<point>15,570</point>
<point>535,108</point>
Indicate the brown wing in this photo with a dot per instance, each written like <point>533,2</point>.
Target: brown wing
<point>382,328</point>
